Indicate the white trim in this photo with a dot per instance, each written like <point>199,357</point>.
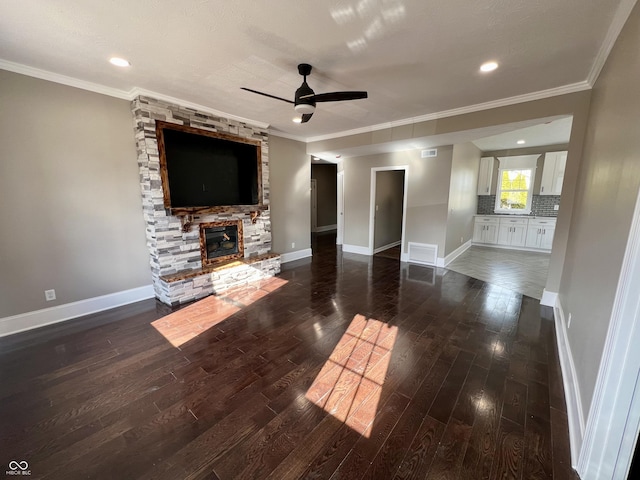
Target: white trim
<point>457,252</point>
<point>404,257</point>
<point>549,299</point>
<point>118,93</point>
<point>614,418</point>
<point>297,255</point>
<point>503,102</point>
<point>326,228</point>
<point>356,249</point>
<point>64,80</point>
<point>131,94</point>
<point>68,311</point>
<point>575,415</point>
<point>619,19</point>
<point>340,207</point>
<point>372,201</point>
<point>440,262</point>
<point>385,247</point>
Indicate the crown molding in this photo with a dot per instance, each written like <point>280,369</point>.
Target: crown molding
<point>136,91</point>
<point>619,19</point>
<point>63,79</point>
<point>503,102</point>
<point>118,93</point>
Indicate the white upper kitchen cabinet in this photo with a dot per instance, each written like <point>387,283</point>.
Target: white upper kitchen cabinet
<point>485,176</point>
<point>553,173</point>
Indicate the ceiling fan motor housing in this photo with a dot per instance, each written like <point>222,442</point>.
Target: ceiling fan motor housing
<point>305,105</point>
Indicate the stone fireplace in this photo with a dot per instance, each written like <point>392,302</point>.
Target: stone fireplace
<point>175,247</point>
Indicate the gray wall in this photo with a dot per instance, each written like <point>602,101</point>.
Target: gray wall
<point>389,199</point>
<point>326,193</point>
<point>70,204</point>
<point>606,193</point>
<point>289,176</point>
<point>427,195</point>
<point>463,199</point>
<point>576,104</point>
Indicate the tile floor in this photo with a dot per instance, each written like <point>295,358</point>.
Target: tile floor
<point>521,271</point>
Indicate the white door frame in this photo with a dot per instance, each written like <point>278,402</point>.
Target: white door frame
<point>340,204</point>
<point>613,423</point>
<point>372,204</point>
<point>314,205</point>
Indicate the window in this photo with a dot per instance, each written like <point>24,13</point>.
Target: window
<point>514,191</point>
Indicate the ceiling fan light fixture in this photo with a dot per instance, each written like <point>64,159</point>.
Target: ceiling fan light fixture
<point>297,119</point>
<point>304,108</point>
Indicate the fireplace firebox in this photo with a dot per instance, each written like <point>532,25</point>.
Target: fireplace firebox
<point>221,241</point>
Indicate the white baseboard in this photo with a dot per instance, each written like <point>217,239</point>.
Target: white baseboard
<point>68,311</point>
<point>575,414</point>
<point>297,255</point>
<point>385,247</point>
<point>457,252</point>
<point>440,262</point>
<point>356,249</point>
<point>326,228</point>
<point>548,298</point>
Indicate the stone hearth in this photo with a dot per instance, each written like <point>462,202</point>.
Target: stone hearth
<point>177,270</point>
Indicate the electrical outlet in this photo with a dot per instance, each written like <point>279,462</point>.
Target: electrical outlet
<point>49,295</point>
<point>569,322</point>
<point>293,244</point>
<point>461,240</point>
<point>556,207</point>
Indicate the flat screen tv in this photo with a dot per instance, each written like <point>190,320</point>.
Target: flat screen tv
<point>205,171</point>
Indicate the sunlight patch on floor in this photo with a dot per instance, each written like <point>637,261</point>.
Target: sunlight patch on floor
<point>187,323</point>
<point>350,382</point>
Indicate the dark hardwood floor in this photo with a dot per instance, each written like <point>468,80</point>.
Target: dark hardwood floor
<point>343,367</point>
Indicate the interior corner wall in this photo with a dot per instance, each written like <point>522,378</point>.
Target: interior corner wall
<point>290,168</point>
<point>69,196</point>
<point>427,195</point>
<point>606,192</point>
<point>463,198</point>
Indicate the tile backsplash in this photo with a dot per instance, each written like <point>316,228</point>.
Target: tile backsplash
<point>541,205</point>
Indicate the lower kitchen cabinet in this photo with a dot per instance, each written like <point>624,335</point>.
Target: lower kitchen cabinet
<point>485,230</point>
<point>540,233</point>
<point>512,232</point>
<point>519,232</point>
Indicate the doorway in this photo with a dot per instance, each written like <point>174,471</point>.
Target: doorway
<point>388,206</point>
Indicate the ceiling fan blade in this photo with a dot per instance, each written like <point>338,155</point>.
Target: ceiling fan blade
<point>306,117</point>
<point>267,95</point>
<point>338,96</point>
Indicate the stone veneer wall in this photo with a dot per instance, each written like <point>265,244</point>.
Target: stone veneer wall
<point>170,250</point>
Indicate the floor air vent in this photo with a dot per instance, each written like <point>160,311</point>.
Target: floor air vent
<point>423,253</point>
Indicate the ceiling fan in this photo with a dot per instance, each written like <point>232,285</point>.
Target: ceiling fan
<point>306,99</point>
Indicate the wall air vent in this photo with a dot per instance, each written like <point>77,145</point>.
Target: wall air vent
<point>431,152</point>
<point>423,253</point>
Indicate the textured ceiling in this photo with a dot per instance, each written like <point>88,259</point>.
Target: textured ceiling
<point>414,57</point>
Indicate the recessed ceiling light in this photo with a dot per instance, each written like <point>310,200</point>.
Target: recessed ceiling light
<point>488,67</point>
<point>119,62</point>
<point>521,142</point>
<point>296,119</point>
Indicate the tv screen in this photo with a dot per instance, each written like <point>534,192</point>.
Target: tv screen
<point>207,169</point>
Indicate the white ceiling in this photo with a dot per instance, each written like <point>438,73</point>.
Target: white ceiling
<point>414,57</point>
<point>550,132</point>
